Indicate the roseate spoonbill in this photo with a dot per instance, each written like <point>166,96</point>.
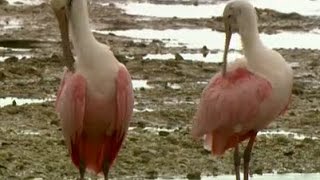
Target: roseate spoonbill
<point>95,98</point>
<point>247,95</point>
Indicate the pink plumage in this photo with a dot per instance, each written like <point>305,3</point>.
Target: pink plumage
<point>247,95</point>
<point>94,126</point>
<point>232,108</point>
<point>95,97</point>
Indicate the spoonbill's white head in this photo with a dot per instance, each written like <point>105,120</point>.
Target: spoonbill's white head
<point>239,16</point>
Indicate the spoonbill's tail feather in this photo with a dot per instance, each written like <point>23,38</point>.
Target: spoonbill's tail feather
<point>95,152</point>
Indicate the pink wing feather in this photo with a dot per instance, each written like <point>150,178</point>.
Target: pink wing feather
<point>125,101</point>
<point>70,104</point>
<point>227,102</point>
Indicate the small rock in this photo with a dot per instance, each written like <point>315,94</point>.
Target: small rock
<point>205,152</point>
<point>3,2</point>
<point>204,51</point>
<point>178,57</point>
<point>54,56</point>
<point>112,5</point>
<point>11,59</point>
<point>54,122</point>
<point>18,3</point>
<point>188,98</point>
<point>141,124</point>
<point>14,103</point>
<point>163,133</point>
<point>61,142</point>
<point>152,174</point>
<point>292,113</point>
<point>4,144</point>
<point>13,111</point>
<point>2,76</point>
<point>141,45</point>
<point>2,166</point>
<point>258,170</point>
<point>196,3</point>
<point>121,58</point>
<point>308,140</point>
<point>288,153</point>
<point>195,175</point>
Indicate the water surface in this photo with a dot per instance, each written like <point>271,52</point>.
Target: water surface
<point>289,176</point>
<point>197,38</point>
<point>25,2</point>
<point>138,84</point>
<point>21,101</point>
<point>303,7</point>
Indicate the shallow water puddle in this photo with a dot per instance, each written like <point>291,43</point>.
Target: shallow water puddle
<point>289,176</point>
<point>159,56</point>
<point>18,56</point>
<point>197,38</point>
<point>316,31</point>
<point>303,7</point>
<point>266,133</point>
<point>177,102</point>
<point>28,132</point>
<point>138,84</point>
<point>14,52</point>
<point>294,65</point>
<point>143,110</point>
<point>21,101</point>
<point>155,129</point>
<point>288,134</point>
<point>174,86</point>
<point>4,50</point>
<point>202,82</point>
<point>177,10</point>
<point>211,57</point>
<point>24,2</point>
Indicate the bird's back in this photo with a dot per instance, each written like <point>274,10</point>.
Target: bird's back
<point>229,106</point>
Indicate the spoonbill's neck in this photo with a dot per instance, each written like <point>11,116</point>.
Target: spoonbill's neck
<point>82,36</point>
<point>250,38</point>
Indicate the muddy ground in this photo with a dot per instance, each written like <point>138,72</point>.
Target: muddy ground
<point>31,142</point>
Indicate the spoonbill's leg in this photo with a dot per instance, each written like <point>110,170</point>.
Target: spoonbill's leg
<point>106,169</point>
<point>247,156</point>
<point>236,159</point>
<point>82,169</point>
